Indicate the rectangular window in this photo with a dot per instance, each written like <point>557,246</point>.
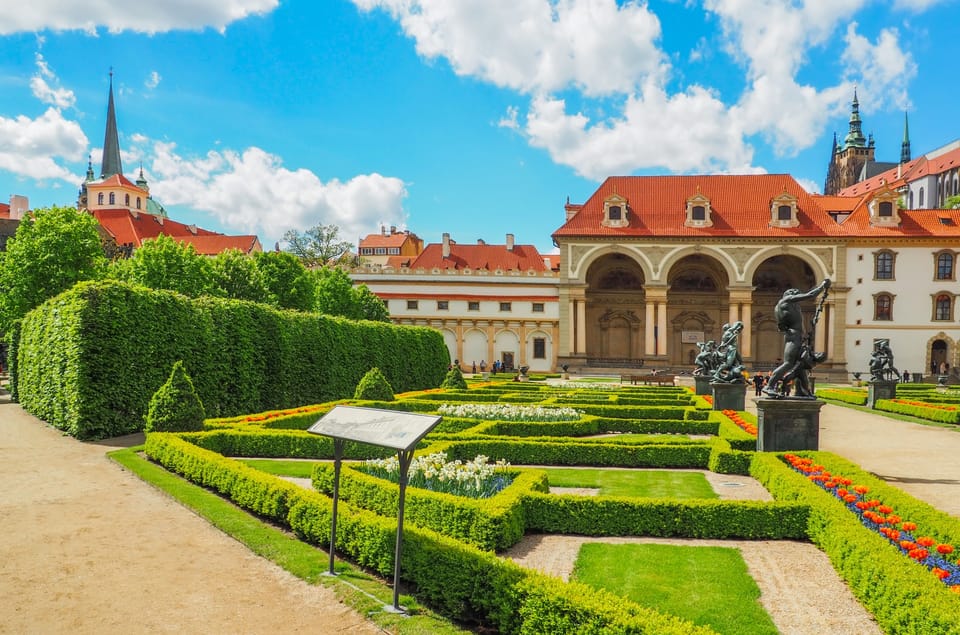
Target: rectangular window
<point>538,307</point>
<point>381,251</point>
<point>699,212</point>
<point>784,212</point>
<point>394,251</point>
<point>367,251</point>
<point>539,348</point>
<point>884,266</point>
<point>473,306</point>
<point>505,306</point>
<point>614,212</point>
<point>945,267</point>
<point>443,305</point>
<point>413,305</point>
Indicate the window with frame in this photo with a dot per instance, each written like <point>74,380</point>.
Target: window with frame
<point>537,307</point>
<point>443,305</point>
<point>100,198</point>
<point>539,348</point>
<point>138,202</point>
<point>113,198</point>
<point>698,213</point>
<point>921,199</point>
<point>506,306</point>
<point>883,307</point>
<point>784,212</point>
<point>473,306</point>
<point>381,251</point>
<point>883,265</point>
<point>945,266</point>
<point>413,305</point>
<point>394,251</point>
<point>126,200</point>
<point>885,209</point>
<point>614,212</point>
<point>943,306</point>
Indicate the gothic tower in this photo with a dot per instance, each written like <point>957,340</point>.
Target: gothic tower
<point>847,160</point>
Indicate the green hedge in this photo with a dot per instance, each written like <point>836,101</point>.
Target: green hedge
<point>13,344</point>
<point>294,444</point>
<point>492,524</point>
<point>855,397</point>
<point>89,359</point>
<point>923,412</point>
<point>549,451</point>
<point>901,594</point>
<point>459,580</point>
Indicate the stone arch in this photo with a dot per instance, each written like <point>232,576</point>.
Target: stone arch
<point>450,339</point>
<point>506,348</point>
<point>694,327</point>
<point>583,267</point>
<point>722,259</point>
<point>614,298</point>
<point>544,364</point>
<point>940,348</point>
<point>770,277</point>
<point>697,296</point>
<point>475,347</point>
<point>820,269</point>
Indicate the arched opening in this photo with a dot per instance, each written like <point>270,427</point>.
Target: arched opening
<point>615,302</point>
<point>774,276</point>
<point>697,301</point>
<point>938,355</point>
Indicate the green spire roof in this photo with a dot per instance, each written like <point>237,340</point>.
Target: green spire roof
<point>111,143</point>
<point>905,145</point>
<point>855,138</point>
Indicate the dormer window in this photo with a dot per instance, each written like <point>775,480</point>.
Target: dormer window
<point>698,211</point>
<point>884,209</point>
<point>615,211</point>
<point>783,210</point>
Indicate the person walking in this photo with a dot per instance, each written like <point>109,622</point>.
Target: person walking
<point>758,383</point>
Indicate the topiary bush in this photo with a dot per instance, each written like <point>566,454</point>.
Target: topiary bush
<point>374,386</point>
<point>454,380</point>
<point>175,407</point>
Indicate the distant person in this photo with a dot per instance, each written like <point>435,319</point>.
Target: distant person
<point>483,366</point>
<point>758,382</point>
<point>474,367</point>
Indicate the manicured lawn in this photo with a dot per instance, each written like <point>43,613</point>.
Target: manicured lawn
<point>280,467</point>
<point>641,483</point>
<point>706,585</point>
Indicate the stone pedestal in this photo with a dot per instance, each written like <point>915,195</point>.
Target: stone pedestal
<point>880,389</point>
<point>729,396</point>
<point>702,384</point>
<point>788,424</point>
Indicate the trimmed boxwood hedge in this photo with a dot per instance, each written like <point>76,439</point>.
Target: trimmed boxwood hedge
<point>941,415</point>
<point>89,359</point>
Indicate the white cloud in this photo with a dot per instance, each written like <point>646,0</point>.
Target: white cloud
<point>884,68</point>
<point>810,186</point>
<point>536,45</point>
<point>917,5</point>
<point>153,80</point>
<point>40,85</point>
<point>32,148</point>
<point>147,17</point>
<point>509,119</point>
<point>252,192</point>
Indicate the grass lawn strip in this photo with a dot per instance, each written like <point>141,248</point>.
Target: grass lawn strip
<point>706,585</point>
<point>364,593</point>
<point>634,483</point>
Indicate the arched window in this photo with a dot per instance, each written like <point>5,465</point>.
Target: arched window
<point>921,199</point>
<point>883,307</point>
<point>100,198</point>
<point>126,200</point>
<point>942,308</point>
<point>883,266</point>
<point>138,202</point>
<point>113,198</point>
<point>910,204</point>
<point>945,266</point>
<point>885,208</point>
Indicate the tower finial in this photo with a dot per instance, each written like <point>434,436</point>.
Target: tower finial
<point>905,144</point>
<point>111,143</point>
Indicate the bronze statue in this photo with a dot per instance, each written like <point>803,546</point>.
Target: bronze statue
<point>706,361</point>
<point>730,367</point>
<point>881,362</point>
<point>799,358</point>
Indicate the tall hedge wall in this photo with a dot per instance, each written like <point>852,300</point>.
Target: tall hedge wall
<point>89,359</point>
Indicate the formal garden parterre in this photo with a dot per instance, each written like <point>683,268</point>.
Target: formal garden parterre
<point>75,368</point>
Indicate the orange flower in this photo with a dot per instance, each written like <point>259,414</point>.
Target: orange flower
<point>842,492</point>
<point>918,554</point>
<point>908,526</point>
<point>955,588</point>
<point>885,509</point>
<point>940,573</point>
<point>944,549</point>
<point>925,541</point>
<point>861,489</point>
<point>893,519</point>
<point>906,544</point>
<point>850,498</point>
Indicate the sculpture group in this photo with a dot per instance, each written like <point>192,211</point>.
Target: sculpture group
<point>722,362</point>
<point>881,362</point>
<point>799,358</point>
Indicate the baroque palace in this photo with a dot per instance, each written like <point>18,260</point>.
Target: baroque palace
<point>649,267</point>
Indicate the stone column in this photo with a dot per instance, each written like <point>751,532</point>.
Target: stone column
<point>582,326</point>
<point>649,343</point>
<point>746,338</point>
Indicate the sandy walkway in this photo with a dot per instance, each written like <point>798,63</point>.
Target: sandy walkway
<point>87,547</point>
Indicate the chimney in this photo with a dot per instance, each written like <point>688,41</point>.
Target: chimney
<point>480,241</point>
<point>193,229</point>
<point>546,263</point>
<point>509,242</point>
<point>383,230</point>
<point>446,245</point>
<point>393,229</point>
<point>19,205</point>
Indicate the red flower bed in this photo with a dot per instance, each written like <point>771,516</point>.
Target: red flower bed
<point>923,404</point>
<point>745,425</point>
<point>880,518</point>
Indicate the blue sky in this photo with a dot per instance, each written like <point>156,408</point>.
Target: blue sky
<point>473,117</point>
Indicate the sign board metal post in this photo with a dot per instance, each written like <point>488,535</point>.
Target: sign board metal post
<point>394,429</point>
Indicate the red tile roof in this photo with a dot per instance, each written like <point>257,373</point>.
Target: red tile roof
<point>126,227</point>
<point>379,240</point>
<point>914,223</point>
<point>740,206</point>
<point>843,204</point>
<point>4,210</point>
<point>115,180</point>
<point>490,257</point>
<point>910,171</point>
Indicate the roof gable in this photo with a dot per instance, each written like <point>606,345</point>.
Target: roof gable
<point>489,257</point>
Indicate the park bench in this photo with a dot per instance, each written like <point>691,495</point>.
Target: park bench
<point>660,380</point>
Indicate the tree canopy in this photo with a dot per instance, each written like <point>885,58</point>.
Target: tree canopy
<point>318,245</point>
<point>53,249</point>
<point>165,263</point>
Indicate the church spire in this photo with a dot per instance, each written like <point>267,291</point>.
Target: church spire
<point>855,138</point>
<point>111,143</point>
<point>905,145</point>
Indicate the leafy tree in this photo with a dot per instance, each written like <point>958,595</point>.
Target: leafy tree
<point>290,285</point>
<point>165,263</point>
<point>952,202</point>
<point>369,305</point>
<point>334,292</point>
<point>374,386</point>
<point>236,275</point>
<point>175,407</point>
<point>53,249</point>
<point>318,245</point>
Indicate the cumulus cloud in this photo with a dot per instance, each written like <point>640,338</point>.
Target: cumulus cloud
<point>252,192</point>
<point>45,86</point>
<point>536,45</point>
<point>156,16</point>
<point>31,147</point>
<point>884,67</point>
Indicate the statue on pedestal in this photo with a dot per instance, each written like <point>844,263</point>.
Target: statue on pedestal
<point>730,367</point>
<point>799,358</point>
<point>881,362</point>
<point>706,360</point>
